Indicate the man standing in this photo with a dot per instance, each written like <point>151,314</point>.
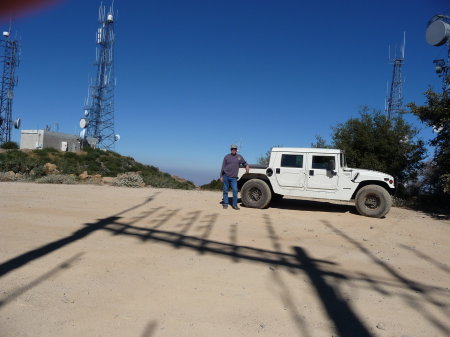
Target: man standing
<point>229,173</point>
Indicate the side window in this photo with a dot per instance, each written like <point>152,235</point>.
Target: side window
<point>322,162</point>
<point>292,160</point>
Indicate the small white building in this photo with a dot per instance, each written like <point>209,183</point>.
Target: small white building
<point>41,139</point>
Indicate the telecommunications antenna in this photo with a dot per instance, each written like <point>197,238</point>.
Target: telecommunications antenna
<point>9,61</point>
<point>438,34</point>
<point>99,107</point>
<point>438,30</point>
<point>17,123</point>
<point>394,98</point>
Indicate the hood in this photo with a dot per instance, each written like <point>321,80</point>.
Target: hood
<point>371,175</point>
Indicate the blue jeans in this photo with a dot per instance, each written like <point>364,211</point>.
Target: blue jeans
<point>227,181</point>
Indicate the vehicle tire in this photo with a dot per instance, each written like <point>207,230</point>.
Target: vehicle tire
<point>373,201</point>
<point>256,194</point>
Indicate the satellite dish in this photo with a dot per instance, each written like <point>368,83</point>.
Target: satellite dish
<point>17,123</point>
<point>86,112</point>
<point>83,134</point>
<point>84,123</point>
<point>438,33</point>
<point>116,138</point>
<point>437,129</point>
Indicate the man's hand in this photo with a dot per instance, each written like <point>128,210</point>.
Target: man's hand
<point>247,169</point>
<point>221,179</point>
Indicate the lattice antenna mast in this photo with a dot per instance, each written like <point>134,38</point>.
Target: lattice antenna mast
<point>394,101</point>
<point>438,34</point>
<point>99,108</point>
<point>9,59</point>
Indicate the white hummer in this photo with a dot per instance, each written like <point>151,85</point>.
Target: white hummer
<point>316,173</point>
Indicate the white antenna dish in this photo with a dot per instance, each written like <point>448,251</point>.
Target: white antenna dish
<point>116,138</point>
<point>110,18</point>
<point>438,33</point>
<point>86,112</point>
<point>17,123</point>
<point>6,34</point>
<point>83,134</point>
<point>84,123</point>
<point>437,129</point>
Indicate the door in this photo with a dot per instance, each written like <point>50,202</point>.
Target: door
<point>291,172</point>
<point>319,174</point>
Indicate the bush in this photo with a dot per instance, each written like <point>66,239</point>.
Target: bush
<point>5,176</point>
<point>213,185</point>
<point>129,179</point>
<point>57,179</point>
<point>18,162</point>
<point>94,161</point>
<point>9,145</point>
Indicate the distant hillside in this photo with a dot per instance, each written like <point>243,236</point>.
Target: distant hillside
<point>93,161</point>
<point>213,185</point>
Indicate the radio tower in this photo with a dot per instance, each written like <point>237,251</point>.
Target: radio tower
<point>9,49</point>
<point>99,107</point>
<point>394,101</point>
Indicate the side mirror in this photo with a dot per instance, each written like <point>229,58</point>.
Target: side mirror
<point>331,165</point>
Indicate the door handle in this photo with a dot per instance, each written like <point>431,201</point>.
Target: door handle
<point>311,172</point>
<point>277,171</point>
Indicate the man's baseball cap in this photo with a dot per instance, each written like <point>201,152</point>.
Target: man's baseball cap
<point>233,146</point>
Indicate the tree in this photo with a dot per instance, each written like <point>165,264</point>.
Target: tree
<point>436,114</point>
<point>320,143</point>
<point>372,141</point>
<point>265,159</point>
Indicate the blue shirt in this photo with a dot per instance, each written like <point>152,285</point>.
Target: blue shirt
<point>230,165</point>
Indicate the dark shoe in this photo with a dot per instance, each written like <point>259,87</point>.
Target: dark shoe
<point>236,208</point>
<point>225,206</point>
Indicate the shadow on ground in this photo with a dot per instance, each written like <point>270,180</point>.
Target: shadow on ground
<point>313,206</point>
<point>324,275</point>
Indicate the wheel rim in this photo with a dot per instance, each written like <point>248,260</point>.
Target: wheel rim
<point>254,194</point>
<point>372,201</point>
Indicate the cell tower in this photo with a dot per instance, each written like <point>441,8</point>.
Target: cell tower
<point>438,34</point>
<point>394,100</point>
<point>9,57</point>
<point>98,122</point>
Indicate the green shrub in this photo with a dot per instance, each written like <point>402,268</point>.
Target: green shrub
<point>5,176</point>
<point>129,179</point>
<point>9,145</point>
<point>94,161</point>
<point>57,179</point>
<point>213,185</point>
<point>18,162</point>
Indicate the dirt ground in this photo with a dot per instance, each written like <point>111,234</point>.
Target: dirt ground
<point>82,260</point>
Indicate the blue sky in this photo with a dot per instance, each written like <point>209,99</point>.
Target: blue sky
<point>194,77</point>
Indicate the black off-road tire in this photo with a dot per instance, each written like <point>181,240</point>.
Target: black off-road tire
<point>373,201</point>
<point>256,194</point>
